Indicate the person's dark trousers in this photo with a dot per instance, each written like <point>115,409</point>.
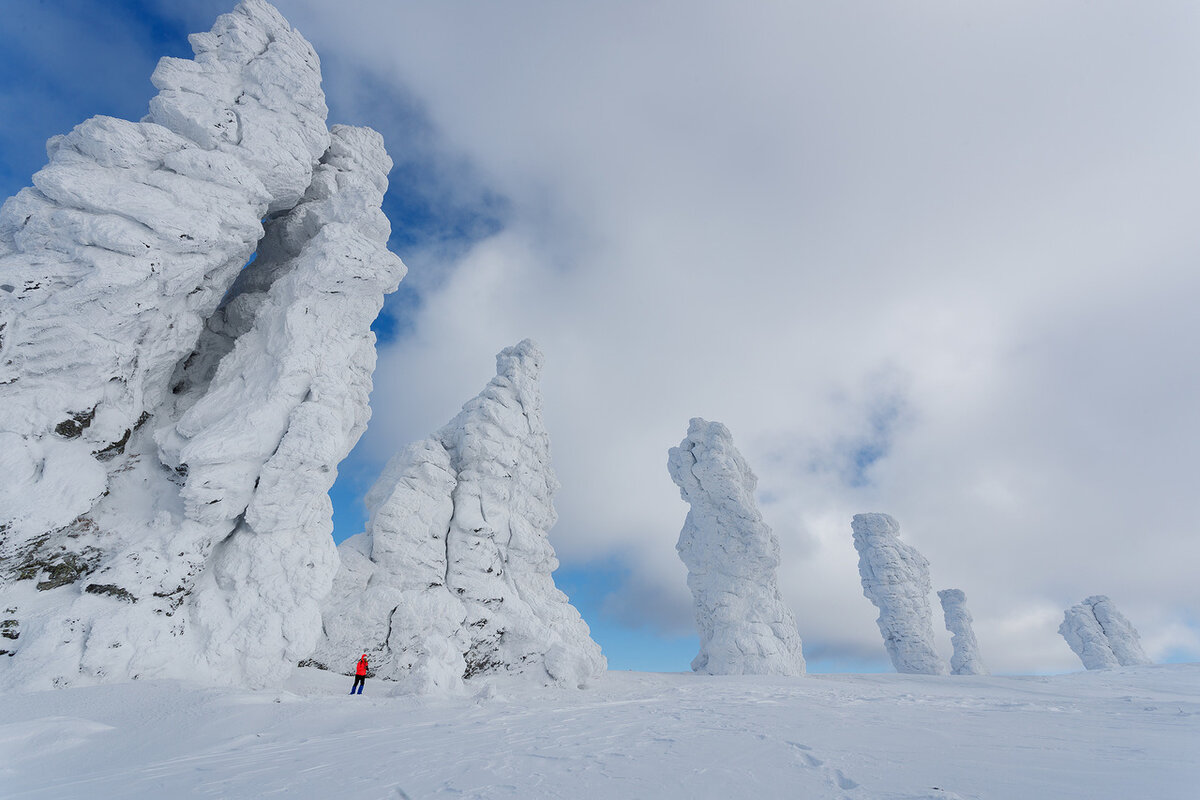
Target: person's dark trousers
<point>359,682</point>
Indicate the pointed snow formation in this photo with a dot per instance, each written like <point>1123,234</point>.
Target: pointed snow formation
<point>452,577</point>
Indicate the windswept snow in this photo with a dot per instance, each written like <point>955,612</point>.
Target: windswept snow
<point>732,557</point>
<point>1101,635</point>
<point>1115,735</point>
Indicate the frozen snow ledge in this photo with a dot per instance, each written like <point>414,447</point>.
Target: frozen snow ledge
<point>895,577</point>
<point>732,557</point>
<point>173,422</point>
<point>1101,635</point>
<point>452,578</point>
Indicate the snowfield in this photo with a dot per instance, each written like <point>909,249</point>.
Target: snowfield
<point>1126,733</point>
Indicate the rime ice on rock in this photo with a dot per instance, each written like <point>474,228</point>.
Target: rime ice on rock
<point>895,577</point>
<point>1101,635</point>
<point>128,322</point>
<point>966,659</point>
<point>732,557</point>
<point>452,577</point>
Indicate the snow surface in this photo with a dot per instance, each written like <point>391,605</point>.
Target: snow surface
<point>966,659</point>
<point>1101,635</point>
<point>452,578</point>
<point>732,557</point>
<point>895,577</point>
<point>1127,733</point>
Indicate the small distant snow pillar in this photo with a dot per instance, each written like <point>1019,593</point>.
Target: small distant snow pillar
<point>966,659</point>
<point>895,577</point>
<point>731,556</point>
<point>1101,635</point>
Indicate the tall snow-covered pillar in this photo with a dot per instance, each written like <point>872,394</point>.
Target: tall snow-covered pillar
<point>895,577</point>
<point>966,659</point>
<point>1101,635</point>
<point>732,557</point>
<point>452,578</point>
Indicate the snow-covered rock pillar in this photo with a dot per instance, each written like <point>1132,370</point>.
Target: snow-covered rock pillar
<point>895,577</point>
<point>732,557</point>
<point>1101,635</point>
<point>966,659</point>
<point>452,578</point>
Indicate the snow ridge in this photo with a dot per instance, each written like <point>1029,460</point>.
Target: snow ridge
<point>174,417</point>
<point>895,577</point>
<point>1101,635</point>
<point>732,557</point>
<point>452,578</point>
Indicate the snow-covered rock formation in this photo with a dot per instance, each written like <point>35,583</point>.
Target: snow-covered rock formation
<point>179,384</point>
<point>1101,635</point>
<point>966,659</point>
<point>452,577</point>
<point>732,557</point>
<point>895,577</point>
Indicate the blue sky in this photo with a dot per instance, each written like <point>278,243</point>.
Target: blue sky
<point>925,259</point>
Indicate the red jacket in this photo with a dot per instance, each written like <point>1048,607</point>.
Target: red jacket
<point>362,666</point>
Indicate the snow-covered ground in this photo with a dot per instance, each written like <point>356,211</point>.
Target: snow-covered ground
<point>1127,733</point>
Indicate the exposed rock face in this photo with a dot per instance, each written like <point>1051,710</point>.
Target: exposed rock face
<point>452,578</point>
<point>174,417</point>
<point>1101,635</point>
<point>895,577</point>
<point>732,557</point>
<point>966,659</point>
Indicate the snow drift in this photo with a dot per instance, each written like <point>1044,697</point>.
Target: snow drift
<point>179,382</point>
<point>895,577</point>
<point>731,556</point>
<point>452,577</point>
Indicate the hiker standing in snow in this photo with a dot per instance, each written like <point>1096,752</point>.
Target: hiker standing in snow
<point>360,675</point>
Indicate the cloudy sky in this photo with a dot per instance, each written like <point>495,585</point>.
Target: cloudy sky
<point>933,258</point>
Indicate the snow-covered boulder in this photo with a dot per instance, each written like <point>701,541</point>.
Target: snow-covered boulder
<point>895,577</point>
<point>966,659</point>
<point>173,416</point>
<point>452,577</point>
<point>1101,635</point>
<point>732,557</point>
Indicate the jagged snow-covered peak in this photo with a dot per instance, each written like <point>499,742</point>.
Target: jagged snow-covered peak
<point>452,578</point>
<point>966,659</point>
<point>895,578</point>
<point>732,557</point>
<point>1101,635</point>
<point>129,313</point>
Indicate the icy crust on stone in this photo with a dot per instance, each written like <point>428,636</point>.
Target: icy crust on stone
<point>1101,635</point>
<point>895,578</point>
<point>452,578</point>
<point>732,557</point>
<point>966,659</point>
<point>174,421</point>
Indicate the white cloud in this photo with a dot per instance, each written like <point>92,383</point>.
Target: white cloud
<point>789,216</point>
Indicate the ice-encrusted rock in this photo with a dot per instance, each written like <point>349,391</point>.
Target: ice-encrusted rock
<point>895,578</point>
<point>732,557</point>
<point>966,659</point>
<point>1101,635</point>
<point>452,577</point>
<point>174,417</point>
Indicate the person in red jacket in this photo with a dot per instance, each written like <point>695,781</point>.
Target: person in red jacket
<point>360,675</point>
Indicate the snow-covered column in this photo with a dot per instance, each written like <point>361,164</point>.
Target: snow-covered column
<point>895,577</point>
<point>732,557</point>
<point>966,659</point>
<point>456,554</point>
<point>127,242</point>
<point>1101,636</point>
